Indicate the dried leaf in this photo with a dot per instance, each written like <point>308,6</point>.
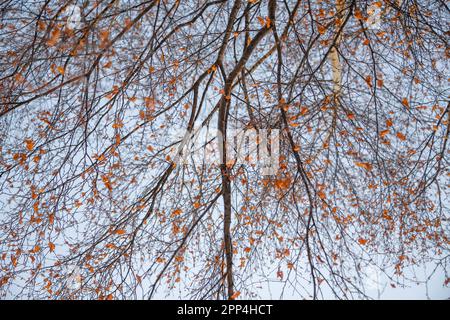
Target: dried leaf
<point>365,165</point>
<point>235,295</point>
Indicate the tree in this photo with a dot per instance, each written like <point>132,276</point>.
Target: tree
<point>100,100</point>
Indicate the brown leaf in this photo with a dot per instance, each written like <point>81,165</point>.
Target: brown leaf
<point>235,295</point>
<point>365,165</point>
<point>401,136</point>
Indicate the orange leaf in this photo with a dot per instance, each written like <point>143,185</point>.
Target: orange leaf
<point>51,245</point>
<point>54,37</point>
<point>235,295</point>
<point>150,103</point>
<point>261,21</point>
<point>14,261</point>
<point>380,83</point>
<point>104,35</point>
<point>401,136</point>
<point>358,15</point>
<point>321,29</point>
<point>389,123</point>
<point>119,232</point>
<point>321,195</point>
<point>384,133</point>
<point>283,183</point>
<point>405,102</point>
<point>177,212</point>
<point>362,241</point>
<point>29,144</point>
<point>107,183</point>
<point>117,125</point>
<point>264,22</point>
<point>364,165</point>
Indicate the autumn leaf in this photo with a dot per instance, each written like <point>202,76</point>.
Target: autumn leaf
<point>177,212</point>
<point>29,144</point>
<point>36,206</point>
<point>379,83</point>
<point>389,123</point>
<point>365,165</point>
<point>321,29</point>
<point>117,125</point>
<point>54,37</point>
<point>280,274</point>
<point>283,183</point>
<point>358,15</point>
<point>369,81</point>
<point>401,136</point>
<point>51,246</point>
<point>104,37</point>
<point>150,103</point>
<point>51,218</point>
<point>20,157</point>
<point>119,231</point>
<point>304,110</point>
<point>384,133</point>
<point>107,183</point>
<point>362,241</point>
<point>446,282</point>
<point>321,195</point>
<point>14,261</point>
<point>264,22</point>
<point>405,102</point>
<point>61,70</point>
<point>235,295</point>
